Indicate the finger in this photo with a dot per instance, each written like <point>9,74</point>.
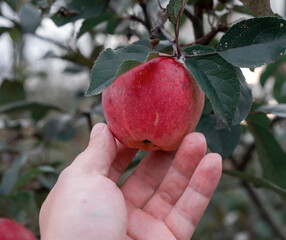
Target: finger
<point>99,154</point>
<point>189,209</point>
<point>191,151</point>
<point>123,158</point>
<point>145,179</point>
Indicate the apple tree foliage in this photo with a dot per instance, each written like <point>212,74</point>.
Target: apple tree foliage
<point>245,129</point>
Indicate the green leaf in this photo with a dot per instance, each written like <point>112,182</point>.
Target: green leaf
<point>14,4</point>
<point>160,47</point>
<point>11,91</point>
<point>258,182</point>
<point>173,9</point>
<point>106,66</point>
<point>152,55</point>
<point>277,71</point>
<point>276,109</point>
<point>218,79</point>
<point>222,141</point>
<point>245,102</point>
<point>244,10</point>
<point>190,2</point>
<point>271,156</point>
<point>126,66</point>
<point>254,42</point>
<point>259,7</point>
<point>4,29</point>
<point>78,9</point>
<point>88,24</point>
<point>59,128</point>
<point>279,89</point>
<point>112,25</point>
<point>272,69</point>
<point>29,18</point>
<point>37,109</point>
<point>10,177</point>
<point>32,174</point>
<point>23,205</point>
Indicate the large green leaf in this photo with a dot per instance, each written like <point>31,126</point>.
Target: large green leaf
<point>258,182</point>
<point>78,9</point>
<point>173,9</point>
<point>271,156</point>
<point>37,109</point>
<point>218,79</point>
<point>222,141</point>
<point>276,109</point>
<point>106,66</point>
<point>11,91</point>
<point>254,42</point>
<point>259,7</point>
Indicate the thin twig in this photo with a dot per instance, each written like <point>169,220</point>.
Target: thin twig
<point>160,6</point>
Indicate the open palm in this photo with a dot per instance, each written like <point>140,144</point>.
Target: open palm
<point>163,198</point>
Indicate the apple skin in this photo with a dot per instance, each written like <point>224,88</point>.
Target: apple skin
<point>154,105</point>
<point>11,230</point>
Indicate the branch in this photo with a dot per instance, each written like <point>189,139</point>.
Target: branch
<point>277,229</point>
<point>53,41</point>
<point>197,20</point>
<point>205,40</point>
<point>138,19</point>
<point>143,5</point>
<point>268,218</point>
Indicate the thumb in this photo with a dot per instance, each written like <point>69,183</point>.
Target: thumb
<point>100,152</point>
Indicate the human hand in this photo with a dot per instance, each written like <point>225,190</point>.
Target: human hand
<point>164,198</point>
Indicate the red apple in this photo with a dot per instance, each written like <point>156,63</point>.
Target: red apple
<point>11,230</point>
<point>154,105</point>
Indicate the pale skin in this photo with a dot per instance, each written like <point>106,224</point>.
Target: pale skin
<point>163,199</point>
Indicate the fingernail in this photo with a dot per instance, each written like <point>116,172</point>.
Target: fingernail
<point>98,128</point>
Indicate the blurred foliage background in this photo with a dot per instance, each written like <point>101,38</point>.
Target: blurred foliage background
<point>47,49</point>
